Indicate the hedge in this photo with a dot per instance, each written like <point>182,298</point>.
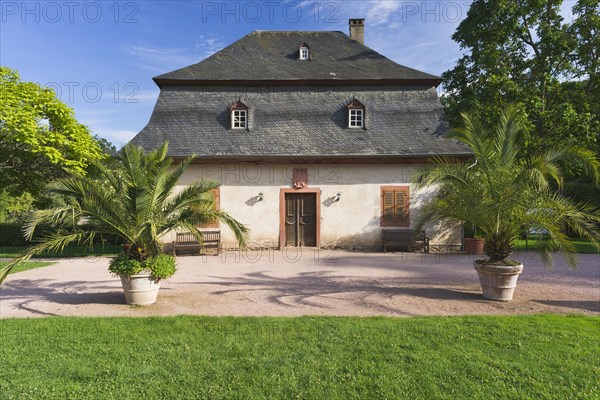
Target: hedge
<point>11,234</point>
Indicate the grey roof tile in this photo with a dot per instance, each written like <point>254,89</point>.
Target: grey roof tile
<point>306,121</point>
<point>273,55</point>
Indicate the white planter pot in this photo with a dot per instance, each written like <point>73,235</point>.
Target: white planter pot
<point>140,289</point>
<point>498,282</point>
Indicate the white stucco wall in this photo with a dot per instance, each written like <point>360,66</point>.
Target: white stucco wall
<point>354,221</point>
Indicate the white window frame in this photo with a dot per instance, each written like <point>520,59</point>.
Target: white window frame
<point>304,53</point>
<point>239,119</point>
<point>356,118</point>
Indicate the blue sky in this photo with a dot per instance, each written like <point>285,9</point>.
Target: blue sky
<point>101,56</point>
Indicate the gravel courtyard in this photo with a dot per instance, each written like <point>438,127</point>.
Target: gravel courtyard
<point>307,282</point>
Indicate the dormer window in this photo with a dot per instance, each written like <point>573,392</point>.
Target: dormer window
<point>239,116</point>
<point>356,114</point>
<point>304,52</point>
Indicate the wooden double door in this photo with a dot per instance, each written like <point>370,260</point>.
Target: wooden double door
<point>301,219</point>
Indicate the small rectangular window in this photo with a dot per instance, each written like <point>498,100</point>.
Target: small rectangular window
<point>356,118</point>
<point>303,53</point>
<point>239,119</point>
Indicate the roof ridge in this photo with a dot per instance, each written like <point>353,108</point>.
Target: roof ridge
<point>294,31</point>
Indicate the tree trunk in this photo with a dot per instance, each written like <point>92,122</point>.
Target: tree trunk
<point>498,246</point>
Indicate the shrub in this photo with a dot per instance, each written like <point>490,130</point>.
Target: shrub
<point>161,266</point>
<point>11,234</point>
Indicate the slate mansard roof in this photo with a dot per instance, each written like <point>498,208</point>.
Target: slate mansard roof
<point>273,55</point>
<point>298,108</point>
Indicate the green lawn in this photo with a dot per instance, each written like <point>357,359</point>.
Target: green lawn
<point>25,266</point>
<point>70,251</point>
<point>520,357</point>
<point>582,245</point>
<point>9,252</point>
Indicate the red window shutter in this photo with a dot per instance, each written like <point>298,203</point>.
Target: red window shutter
<point>400,206</point>
<point>387,216</point>
<point>395,206</point>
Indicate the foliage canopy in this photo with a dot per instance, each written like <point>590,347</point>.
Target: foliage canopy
<point>523,52</point>
<point>39,136</point>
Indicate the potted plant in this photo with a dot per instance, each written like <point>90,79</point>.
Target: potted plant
<point>132,198</point>
<point>141,275</point>
<point>501,191</point>
<point>473,244</point>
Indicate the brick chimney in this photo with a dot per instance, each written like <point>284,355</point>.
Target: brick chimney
<point>357,30</point>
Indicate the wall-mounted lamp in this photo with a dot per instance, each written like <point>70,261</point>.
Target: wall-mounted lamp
<point>338,195</point>
<point>260,197</point>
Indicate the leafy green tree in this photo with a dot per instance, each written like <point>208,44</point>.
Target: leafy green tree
<point>14,208</point>
<point>523,52</point>
<point>505,192</point>
<point>106,147</point>
<point>40,138</point>
<point>135,201</point>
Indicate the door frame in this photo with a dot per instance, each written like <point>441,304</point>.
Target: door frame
<point>282,193</point>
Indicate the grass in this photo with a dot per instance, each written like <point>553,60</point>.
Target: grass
<point>8,252</point>
<point>520,357</point>
<point>70,251</point>
<point>582,245</point>
<point>25,266</point>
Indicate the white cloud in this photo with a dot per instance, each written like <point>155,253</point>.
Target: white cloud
<point>93,115</point>
<point>305,3</point>
<point>141,96</point>
<point>380,12</point>
<point>377,13</point>
<point>163,60</point>
<point>208,44</point>
<point>411,33</point>
<point>424,44</point>
<point>118,137</point>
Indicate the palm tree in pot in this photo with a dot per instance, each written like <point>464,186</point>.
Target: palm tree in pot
<point>133,198</point>
<point>504,192</point>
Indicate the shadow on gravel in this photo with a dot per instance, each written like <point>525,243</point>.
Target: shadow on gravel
<point>311,289</point>
<point>443,294</point>
<point>579,305</point>
<point>24,292</point>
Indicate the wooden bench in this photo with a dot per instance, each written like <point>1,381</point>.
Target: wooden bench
<point>406,238</point>
<point>185,241</point>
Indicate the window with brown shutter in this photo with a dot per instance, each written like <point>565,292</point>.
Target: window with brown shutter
<point>217,195</point>
<point>395,206</point>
